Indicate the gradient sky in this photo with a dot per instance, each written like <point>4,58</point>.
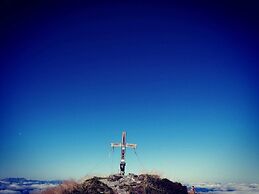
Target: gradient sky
<point>180,78</point>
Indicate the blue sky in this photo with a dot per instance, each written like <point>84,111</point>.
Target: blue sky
<point>181,79</point>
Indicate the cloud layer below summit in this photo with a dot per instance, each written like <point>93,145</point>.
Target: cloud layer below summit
<point>21,185</point>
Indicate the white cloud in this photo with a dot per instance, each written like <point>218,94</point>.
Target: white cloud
<point>42,186</point>
<point>19,186</point>
<point>228,188</point>
<point>9,191</point>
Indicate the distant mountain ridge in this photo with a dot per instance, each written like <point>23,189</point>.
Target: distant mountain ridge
<point>24,180</point>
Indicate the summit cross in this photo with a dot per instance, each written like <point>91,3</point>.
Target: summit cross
<point>123,145</point>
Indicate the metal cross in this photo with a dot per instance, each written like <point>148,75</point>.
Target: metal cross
<point>123,146</point>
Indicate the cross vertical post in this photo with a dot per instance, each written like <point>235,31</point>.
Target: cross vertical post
<point>123,145</point>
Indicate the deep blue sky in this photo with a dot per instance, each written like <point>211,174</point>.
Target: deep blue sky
<point>180,78</point>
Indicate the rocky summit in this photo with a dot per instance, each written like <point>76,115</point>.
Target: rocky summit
<point>129,184</point>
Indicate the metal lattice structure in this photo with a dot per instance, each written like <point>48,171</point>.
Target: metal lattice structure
<point>123,145</point>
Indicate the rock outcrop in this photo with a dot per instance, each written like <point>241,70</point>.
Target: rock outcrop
<point>130,184</point>
<point>91,186</point>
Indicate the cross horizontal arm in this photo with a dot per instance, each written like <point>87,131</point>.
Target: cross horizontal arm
<point>131,145</point>
<point>115,145</point>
